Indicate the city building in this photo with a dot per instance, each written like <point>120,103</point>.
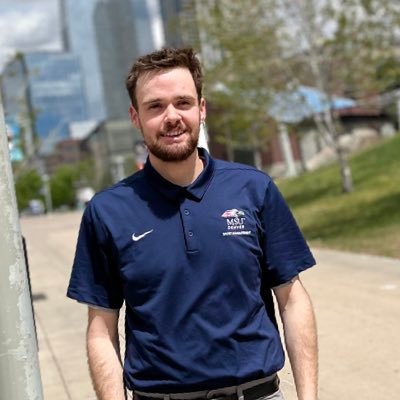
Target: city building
<point>80,40</point>
<point>148,25</point>
<point>65,152</point>
<point>111,145</point>
<point>116,46</point>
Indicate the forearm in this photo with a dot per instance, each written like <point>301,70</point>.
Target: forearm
<point>300,332</point>
<point>105,368</point>
<point>104,356</point>
<point>301,344</point>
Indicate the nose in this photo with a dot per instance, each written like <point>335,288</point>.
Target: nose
<point>172,115</point>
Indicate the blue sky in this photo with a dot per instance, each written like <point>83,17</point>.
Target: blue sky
<point>28,25</point>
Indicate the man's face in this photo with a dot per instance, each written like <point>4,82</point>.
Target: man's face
<point>168,113</point>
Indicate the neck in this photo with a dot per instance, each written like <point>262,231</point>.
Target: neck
<point>181,173</point>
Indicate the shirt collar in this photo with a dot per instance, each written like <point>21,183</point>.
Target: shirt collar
<point>196,189</point>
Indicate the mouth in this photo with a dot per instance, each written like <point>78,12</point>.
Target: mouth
<point>172,134</point>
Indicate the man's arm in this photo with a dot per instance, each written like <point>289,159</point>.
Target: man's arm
<point>104,356</point>
<point>300,331</point>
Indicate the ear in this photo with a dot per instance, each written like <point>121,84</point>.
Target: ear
<point>202,107</point>
<point>134,117</point>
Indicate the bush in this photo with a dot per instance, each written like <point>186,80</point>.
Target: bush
<point>28,186</point>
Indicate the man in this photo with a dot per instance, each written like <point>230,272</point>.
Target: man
<point>194,247</point>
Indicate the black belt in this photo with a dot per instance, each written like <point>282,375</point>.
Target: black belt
<point>262,390</point>
<point>252,393</point>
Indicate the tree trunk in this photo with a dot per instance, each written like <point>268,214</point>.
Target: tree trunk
<point>332,136</point>
<point>303,162</point>
<point>345,171</point>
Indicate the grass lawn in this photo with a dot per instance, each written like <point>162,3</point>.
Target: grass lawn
<point>367,220</point>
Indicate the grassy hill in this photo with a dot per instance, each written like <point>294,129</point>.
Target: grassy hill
<point>367,220</point>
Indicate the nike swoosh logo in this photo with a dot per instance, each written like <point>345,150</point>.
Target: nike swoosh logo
<point>136,238</point>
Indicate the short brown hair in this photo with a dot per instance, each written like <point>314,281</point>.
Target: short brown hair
<point>165,58</point>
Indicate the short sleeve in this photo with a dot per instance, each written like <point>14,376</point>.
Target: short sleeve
<point>286,252</point>
<point>95,277</point>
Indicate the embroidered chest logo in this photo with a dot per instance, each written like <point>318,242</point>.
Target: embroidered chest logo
<point>135,237</point>
<point>235,223</point>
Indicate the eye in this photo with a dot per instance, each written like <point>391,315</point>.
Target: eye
<point>154,106</point>
<point>184,103</point>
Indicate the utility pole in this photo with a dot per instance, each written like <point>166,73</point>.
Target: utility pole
<point>19,364</point>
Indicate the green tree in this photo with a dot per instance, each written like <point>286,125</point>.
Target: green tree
<point>242,72</point>
<point>28,186</point>
<point>67,179</point>
<point>62,186</point>
<point>254,49</point>
<point>340,47</point>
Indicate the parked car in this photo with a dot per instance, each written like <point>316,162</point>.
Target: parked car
<point>36,207</point>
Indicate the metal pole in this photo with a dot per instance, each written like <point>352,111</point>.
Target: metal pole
<point>19,364</point>
<point>47,193</point>
<point>45,190</point>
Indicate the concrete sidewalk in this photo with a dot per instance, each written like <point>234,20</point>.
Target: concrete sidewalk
<point>356,297</point>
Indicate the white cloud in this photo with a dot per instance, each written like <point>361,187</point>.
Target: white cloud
<point>28,26</point>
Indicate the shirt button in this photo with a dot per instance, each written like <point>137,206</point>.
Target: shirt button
<point>186,212</point>
<point>190,233</point>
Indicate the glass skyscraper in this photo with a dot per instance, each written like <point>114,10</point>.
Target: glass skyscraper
<point>107,35</point>
<point>81,37</point>
<point>117,47</point>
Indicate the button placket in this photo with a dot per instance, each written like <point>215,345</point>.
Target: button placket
<point>188,226</point>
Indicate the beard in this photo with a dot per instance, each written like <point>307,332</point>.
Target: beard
<point>175,152</point>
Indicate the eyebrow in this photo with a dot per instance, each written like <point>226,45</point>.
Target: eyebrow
<point>186,98</point>
<point>145,103</point>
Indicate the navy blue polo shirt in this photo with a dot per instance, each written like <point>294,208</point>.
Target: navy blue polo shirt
<point>194,266</point>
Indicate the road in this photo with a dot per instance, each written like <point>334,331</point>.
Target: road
<point>356,298</point>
